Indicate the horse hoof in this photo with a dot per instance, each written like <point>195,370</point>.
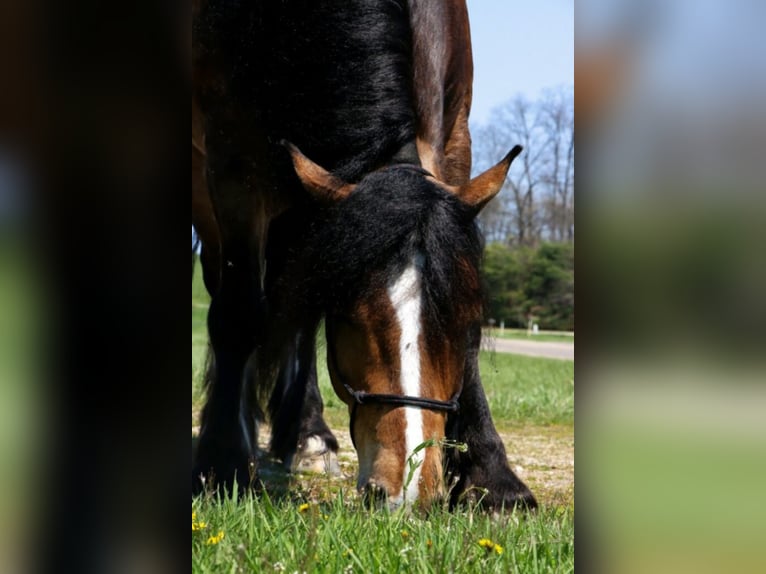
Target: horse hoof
<point>316,458</point>
<point>223,477</point>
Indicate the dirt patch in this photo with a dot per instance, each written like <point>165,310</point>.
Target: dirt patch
<point>543,457</point>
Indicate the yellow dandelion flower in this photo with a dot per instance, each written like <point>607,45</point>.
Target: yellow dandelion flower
<point>216,538</point>
<point>197,525</point>
<point>490,546</point>
<point>429,543</point>
<point>405,534</point>
<point>304,507</point>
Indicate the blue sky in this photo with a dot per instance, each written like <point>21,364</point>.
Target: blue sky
<point>519,47</point>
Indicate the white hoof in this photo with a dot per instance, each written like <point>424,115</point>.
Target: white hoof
<point>316,458</point>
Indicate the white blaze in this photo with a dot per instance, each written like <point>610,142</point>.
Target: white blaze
<point>405,294</point>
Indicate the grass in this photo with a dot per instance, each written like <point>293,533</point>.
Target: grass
<point>528,390</point>
<point>200,305</point>
<point>320,525</point>
<point>340,535</point>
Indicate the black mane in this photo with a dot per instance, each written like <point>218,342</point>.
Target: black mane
<point>333,77</point>
<point>395,215</point>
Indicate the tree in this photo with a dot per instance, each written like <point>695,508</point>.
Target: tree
<point>503,277</point>
<point>523,281</point>
<point>537,202</point>
<point>550,285</point>
<point>556,114</point>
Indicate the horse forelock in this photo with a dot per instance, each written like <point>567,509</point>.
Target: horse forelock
<point>393,218</point>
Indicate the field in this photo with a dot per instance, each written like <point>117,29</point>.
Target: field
<point>319,524</point>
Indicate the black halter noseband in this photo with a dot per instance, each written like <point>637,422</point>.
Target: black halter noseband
<point>365,398</point>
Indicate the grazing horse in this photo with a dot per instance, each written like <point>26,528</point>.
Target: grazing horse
<point>338,159</point>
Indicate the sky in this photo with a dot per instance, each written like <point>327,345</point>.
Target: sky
<point>519,48</point>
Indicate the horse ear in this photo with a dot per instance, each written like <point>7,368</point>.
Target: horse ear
<point>482,188</point>
<point>319,182</point>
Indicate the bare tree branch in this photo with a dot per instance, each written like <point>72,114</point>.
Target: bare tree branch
<point>537,202</point>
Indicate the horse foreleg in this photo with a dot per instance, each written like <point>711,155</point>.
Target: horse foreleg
<point>482,472</point>
<point>227,443</point>
<point>302,442</point>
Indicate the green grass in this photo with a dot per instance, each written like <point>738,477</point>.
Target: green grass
<point>341,535</point>
<point>528,390</point>
<point>336,533</point>
<point>200,303</point>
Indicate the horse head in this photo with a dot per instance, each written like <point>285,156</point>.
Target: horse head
<point>396,264</point>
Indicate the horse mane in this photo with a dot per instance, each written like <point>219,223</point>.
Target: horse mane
<point>390,219</point>
<point>333,77</point>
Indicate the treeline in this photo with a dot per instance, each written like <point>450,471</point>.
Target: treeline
<point>529,226</point>
<point>530,285</point>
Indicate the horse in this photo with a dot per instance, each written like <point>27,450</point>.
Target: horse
<point>338,167</point>
<point>203,216</point>
<point>313,454</point>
